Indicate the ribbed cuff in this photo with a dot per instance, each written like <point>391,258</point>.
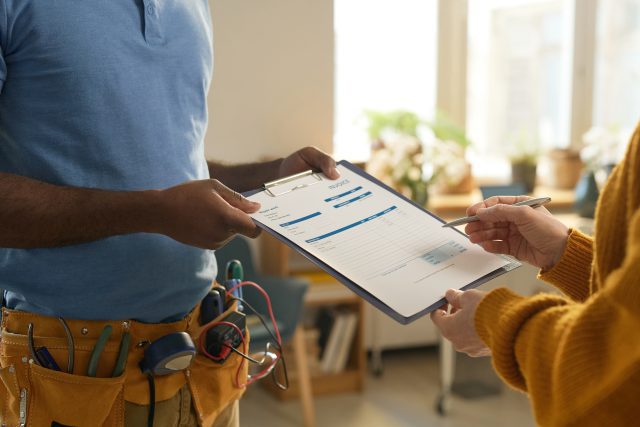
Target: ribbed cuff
<point>573,272</point>
<point>490,325</point>
<point>499,319</point>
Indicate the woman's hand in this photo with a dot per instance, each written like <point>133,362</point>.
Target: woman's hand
<point>459,325</point>
<point>530,235</point>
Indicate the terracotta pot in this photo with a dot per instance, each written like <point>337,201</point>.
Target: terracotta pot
<point>565,168</point>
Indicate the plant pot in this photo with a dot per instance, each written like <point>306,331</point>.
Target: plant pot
<point>524,173</point>
<point>565,168</point>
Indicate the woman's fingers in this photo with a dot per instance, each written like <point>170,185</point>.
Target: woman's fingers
<point>501,233</point>
<point>496,246</point>
<point>495,200</point>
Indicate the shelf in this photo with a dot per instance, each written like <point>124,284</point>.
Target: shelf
<point>455,205</point>
<point>343,382</point>
<point>324,291</point>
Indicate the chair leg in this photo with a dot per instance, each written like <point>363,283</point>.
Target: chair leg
<point>304,378</point>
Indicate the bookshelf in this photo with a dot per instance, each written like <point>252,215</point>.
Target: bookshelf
<point>324,293</point>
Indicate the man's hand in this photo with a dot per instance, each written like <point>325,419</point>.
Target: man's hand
<point>458,326</point>
<point>206,214</point>
<point>309,158</point>
<point>252,175</point>
<point>530,235</point>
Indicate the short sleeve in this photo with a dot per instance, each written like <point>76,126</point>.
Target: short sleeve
<point>4,23</point>
<point>3,69</point>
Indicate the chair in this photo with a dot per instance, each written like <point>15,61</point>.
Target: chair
<point>514,189</point>
<point>287,295</point>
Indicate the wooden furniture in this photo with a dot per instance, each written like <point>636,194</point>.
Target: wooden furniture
<point>303,378</point>
<point>451,206</point>
<point>324,291</point>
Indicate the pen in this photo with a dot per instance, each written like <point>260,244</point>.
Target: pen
<point>534,203</point>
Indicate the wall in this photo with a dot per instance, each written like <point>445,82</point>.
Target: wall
<point>272,90</point>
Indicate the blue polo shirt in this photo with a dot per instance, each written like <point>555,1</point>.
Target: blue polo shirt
<point>107,94</point>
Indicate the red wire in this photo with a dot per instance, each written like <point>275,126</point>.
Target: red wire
<point>266,297</point>
<point>208,326</point>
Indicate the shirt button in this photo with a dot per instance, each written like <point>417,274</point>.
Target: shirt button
<point>150,9</point>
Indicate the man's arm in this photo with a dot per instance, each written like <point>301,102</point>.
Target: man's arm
<point>251,176</point>
<point>34,214</point>
<point>247,176</point>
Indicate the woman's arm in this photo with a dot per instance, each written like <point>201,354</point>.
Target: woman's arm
<point>579,362</point>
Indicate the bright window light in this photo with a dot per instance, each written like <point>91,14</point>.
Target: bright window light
<point>385,52</point>
<point>617,73</point>
<point>519,71</point>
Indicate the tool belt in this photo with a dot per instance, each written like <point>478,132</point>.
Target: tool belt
<point>36,396</point>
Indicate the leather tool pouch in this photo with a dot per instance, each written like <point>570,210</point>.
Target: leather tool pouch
<point>36,396</point>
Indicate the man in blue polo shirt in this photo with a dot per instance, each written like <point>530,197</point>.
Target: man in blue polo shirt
<point>106,206</point>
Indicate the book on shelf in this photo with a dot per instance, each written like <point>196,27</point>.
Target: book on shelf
<point>346,341</point>
<point>337,329</point>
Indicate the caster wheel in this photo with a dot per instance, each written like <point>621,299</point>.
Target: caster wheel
<point>377,371</point>
<point>442,405</point>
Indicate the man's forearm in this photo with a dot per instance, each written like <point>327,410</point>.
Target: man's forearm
<point>245,177</point>
<point>34,214</point>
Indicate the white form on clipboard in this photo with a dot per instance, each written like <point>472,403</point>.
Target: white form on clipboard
<point>381,245</point>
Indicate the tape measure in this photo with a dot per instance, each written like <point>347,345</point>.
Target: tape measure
<point>167,355</point>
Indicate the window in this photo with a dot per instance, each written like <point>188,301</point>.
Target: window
<point>385,54</point>
<point>617,65</point>
<point>518,90</point>
<point>520,71</point>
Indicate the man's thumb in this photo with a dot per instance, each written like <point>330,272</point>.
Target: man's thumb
<point>234,198</point>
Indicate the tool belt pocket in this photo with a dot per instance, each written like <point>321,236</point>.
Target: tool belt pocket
<point>74,399</point>
<point>38,396</point>
<point>214,386</point>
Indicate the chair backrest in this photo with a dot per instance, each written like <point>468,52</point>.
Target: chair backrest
<point>239,249</point>
<point>514,189</point>
<point>287,293</point>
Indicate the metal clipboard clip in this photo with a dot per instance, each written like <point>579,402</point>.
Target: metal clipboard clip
<point>270,187</point>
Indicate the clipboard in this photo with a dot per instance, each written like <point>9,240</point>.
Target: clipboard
<point>300,182</point>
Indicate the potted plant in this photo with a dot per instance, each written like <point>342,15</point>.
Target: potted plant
<point>446,152</point>
<point>565,168</point>
<point>401,142</point>
<point>397,154</point>
<point>601,151</point>
<point>523,156</point>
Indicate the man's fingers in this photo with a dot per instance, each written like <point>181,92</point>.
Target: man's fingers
<point>234,198</point>
<point>238,222</point>
<point>321,160</point>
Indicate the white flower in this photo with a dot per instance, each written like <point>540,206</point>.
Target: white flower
<point>414,174</point>
<point>602,147</point>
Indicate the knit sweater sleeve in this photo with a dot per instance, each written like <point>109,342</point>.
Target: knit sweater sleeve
<point>579,361</point>
<point>572,273</point>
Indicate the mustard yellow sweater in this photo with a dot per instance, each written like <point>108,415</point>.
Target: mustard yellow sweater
<point>578,357</point>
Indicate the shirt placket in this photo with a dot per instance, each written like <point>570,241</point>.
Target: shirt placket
<point>152,29</point>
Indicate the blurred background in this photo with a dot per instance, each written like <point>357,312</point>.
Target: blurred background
<point>447,101</point>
